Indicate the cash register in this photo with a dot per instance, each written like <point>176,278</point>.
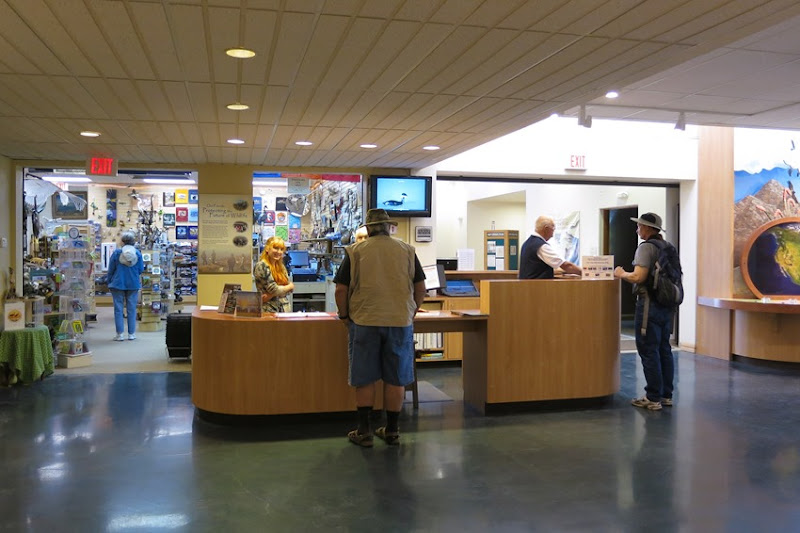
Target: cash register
<point>300,265</point>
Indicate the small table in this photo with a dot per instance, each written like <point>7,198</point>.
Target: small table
<point>26,354</point>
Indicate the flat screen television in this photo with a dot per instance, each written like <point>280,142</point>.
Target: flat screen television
<point>402,196</point>
<point>434,277</point>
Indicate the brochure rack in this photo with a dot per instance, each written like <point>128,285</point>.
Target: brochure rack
<point>150,306</point>
<point>74,294</point>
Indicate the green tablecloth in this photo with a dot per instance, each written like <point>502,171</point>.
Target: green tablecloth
<point>28,352</point>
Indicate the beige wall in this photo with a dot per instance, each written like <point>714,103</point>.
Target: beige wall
<point>714,238</point>
<point>7,217</point>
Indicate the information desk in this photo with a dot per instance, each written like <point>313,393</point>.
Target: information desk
<point>26,354</point>
<point>547,340</point>
<point>271,366</point>
<point>531,341</point>
<point>761,330</point>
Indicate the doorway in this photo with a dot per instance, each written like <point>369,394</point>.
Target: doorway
<point>620,240</point>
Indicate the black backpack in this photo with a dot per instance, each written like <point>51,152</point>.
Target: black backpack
<point>664,280</point>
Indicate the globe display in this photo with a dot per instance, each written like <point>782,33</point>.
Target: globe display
<point>772,259</point>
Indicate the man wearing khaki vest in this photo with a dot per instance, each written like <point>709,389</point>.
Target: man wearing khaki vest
<point>380,285</point>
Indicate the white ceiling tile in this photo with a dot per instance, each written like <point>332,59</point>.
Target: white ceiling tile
<point>204,105</point>
<point>180,103</point>
<point>17,31</point>
<point>123,40</point>
<point>189,35</point>
<point>259,31</point>
<point>153,26</point>
<point>292,42</point>
<point>322,48</point>
<point>225,33</point>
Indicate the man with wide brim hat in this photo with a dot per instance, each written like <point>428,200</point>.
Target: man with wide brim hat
<point>378,216</point>
<point>652,322</point>
<point>380,286</point>
<point>649,219</point>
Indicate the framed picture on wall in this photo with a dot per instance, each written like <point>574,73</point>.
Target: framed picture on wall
<point>69,211</point>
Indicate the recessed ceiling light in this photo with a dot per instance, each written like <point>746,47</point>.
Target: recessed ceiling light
<point>240,53</point>
<point>612,94</point>
<point>368,145</point>
<point>303,143</point>
<point>236,106</point>
<point>235,141</point>
<point>553,115</point>
<point>90,133</point>
<point>431,147</point>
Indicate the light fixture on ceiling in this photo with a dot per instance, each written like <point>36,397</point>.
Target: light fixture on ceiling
<point>88,133</point>
<point>235,141</point>
<point>303,143</point>
<point>237,106</point>
<point>270,182</point>
<point>168,181</point>
<point>612,94</point>
<point>240,53</point>
<point>368,145</point>
<point>680,124</point>
<point>67,179</point>
<point>431,148</point>
<point>584,119</point>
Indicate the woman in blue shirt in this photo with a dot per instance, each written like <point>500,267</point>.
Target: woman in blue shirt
<point>124,268</point>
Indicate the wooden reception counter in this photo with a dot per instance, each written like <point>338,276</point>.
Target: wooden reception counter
<point>547,340</point>
<point>761,329</point>
<point>531,341</point>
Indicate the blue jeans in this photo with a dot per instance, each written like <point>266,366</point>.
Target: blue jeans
<point>654,349</point>
<point>128,299</point>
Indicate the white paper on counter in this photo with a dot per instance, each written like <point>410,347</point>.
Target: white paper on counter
<point>466,259</point>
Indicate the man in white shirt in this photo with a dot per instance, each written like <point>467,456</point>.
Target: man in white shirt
<point>538,259</point>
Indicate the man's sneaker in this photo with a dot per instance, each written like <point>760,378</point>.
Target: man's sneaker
<point>644,403</point>
<point>666,402</point>
<point>119,337</point>
<point>131,337</point>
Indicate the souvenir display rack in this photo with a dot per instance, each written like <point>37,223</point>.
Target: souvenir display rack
<point>149,312</point>
<point>184,273</point>
<point>75,292</point>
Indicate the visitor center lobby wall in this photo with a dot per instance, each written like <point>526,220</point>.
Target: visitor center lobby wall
<point>614,150</point>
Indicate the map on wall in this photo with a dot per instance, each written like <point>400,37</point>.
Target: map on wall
<point>766,219</point>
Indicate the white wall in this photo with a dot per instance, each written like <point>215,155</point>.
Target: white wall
<point>625,150</point>
<point>613,149</point>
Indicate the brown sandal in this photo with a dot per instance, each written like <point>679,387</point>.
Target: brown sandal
<point>392,439</point>
<point>362,439</point>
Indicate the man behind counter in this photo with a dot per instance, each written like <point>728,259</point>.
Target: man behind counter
<point>538,259</point>
<point>379,287</point>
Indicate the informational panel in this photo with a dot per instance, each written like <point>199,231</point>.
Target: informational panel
<point>224,234</point>
<point>597,266</point>
<point>500,249</point>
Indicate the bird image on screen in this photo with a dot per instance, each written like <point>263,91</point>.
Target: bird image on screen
<point>396,202</point>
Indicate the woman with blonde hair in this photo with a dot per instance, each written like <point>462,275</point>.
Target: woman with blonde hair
<point>272,279</point>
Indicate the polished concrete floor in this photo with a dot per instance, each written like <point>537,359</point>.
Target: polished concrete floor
<point>126,452</point>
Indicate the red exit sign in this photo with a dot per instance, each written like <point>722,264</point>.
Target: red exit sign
<point>577,162</point>
<point>101,166</point>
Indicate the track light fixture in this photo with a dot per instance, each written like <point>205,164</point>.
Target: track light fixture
<point>583,119</point>
<point>680,124</point>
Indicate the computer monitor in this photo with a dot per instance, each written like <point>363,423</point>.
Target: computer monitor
<point>299,258</point>
<point>448,263</point>
<point>434,277</point>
